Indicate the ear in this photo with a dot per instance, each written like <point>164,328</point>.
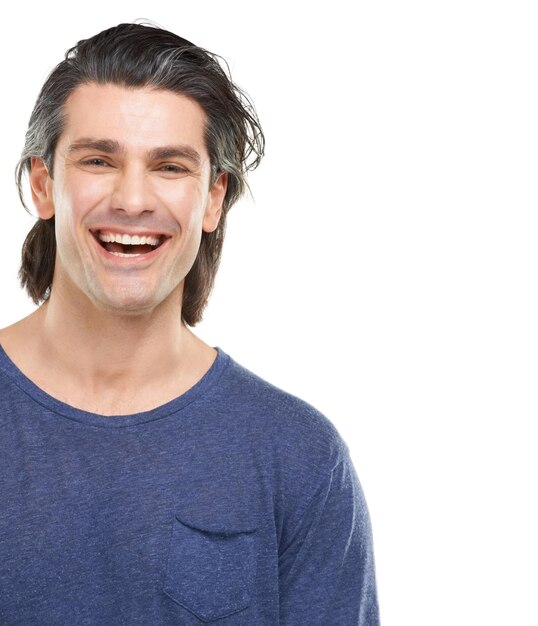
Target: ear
<point>41,186</point>
<point>213,208</point>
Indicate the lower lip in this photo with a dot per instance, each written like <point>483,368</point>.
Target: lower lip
<point>135,260</point>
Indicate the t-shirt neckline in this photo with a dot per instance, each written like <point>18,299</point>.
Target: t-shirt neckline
<point>60,408</point>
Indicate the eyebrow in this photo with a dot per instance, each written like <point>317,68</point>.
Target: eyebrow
<point>169,152</point>
<point>111,146</point>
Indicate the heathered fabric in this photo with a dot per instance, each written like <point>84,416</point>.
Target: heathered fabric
<point>235,504</point>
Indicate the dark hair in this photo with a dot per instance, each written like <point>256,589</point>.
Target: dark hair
<point>138,55</point>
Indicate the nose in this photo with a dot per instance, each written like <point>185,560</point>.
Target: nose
<point>132,192</point>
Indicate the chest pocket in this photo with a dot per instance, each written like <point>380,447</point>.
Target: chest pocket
<point>210,573</point>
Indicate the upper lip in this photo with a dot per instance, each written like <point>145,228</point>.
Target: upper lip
<point>127,231</point>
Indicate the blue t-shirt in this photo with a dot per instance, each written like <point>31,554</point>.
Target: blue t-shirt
<point>235,504</point>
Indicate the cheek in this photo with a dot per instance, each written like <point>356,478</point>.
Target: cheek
<point>70,208</point>
<point>76,197</point>
<point>186,204</point>
<point>65,232</point>
<point>85,192</point>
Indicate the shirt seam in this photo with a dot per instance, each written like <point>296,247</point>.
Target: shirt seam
<point>323,482</point>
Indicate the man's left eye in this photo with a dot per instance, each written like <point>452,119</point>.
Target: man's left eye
<point>174,169</point>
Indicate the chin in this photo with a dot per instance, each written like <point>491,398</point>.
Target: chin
<point>130,302</point>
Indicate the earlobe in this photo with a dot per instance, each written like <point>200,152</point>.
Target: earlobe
<point>41,186</point>
<point>214,203</point>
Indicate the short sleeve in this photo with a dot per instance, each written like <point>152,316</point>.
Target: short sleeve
<point>326,570</point>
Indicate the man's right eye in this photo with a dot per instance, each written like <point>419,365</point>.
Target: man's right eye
<point>94,161</point>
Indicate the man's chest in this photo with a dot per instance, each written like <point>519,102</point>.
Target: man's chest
<point>129,524</point>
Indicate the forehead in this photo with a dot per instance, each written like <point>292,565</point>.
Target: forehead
<point>137,118</point>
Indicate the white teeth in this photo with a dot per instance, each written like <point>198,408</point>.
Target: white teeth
<point>129,240</point>
<point>130,256</point>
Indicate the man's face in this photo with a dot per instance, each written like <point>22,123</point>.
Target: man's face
<point>131,195</point>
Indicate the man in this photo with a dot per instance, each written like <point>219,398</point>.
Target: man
<point>148,478</point>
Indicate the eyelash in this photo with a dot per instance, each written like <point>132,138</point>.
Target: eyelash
<point>176,169</point>
<point>92,162</point>
<point>169,167</point>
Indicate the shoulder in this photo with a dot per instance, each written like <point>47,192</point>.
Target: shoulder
<point>291,427</point>
<point>296,449</point>
<point>4,332</point>
<point>17,338</point>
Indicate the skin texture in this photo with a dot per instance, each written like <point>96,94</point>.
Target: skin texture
<point>122,314</point>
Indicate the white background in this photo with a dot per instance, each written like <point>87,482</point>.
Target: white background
<point>386,270</point>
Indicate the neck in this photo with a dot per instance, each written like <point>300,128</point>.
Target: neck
<point>108,362</point>
<point>107,347</point>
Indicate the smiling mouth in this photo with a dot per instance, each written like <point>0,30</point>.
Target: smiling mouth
<point>124,245</point>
